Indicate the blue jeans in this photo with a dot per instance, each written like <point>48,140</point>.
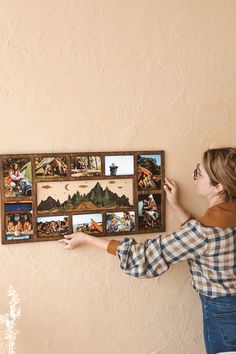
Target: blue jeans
<point>219,323</point>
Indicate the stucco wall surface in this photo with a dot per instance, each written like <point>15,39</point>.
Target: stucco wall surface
<point>112,75</point>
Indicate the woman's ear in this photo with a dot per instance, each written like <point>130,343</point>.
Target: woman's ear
<point>219,188</point>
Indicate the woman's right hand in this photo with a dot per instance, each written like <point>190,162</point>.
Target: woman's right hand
<point>172,192</point>
<point>74,240</point>
<point>81,238</point>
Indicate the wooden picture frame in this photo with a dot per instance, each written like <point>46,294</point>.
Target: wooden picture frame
<point>46,196</point>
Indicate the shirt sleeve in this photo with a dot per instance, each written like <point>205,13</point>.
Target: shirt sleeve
<point>153,257</point>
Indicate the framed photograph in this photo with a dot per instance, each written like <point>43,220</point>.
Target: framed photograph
<point>149,211</point>
<point>18,221</point>
<point>119,165</point>
<point>86,166</point>
<point>52,226</point>
<point>149,172</point>
<point>47,196</point>
<point>89,223</point>
<point>120,221</point>
<point>50,167</point>
<point>17,177</point>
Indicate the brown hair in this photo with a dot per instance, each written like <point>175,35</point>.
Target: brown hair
<point>220,165</point>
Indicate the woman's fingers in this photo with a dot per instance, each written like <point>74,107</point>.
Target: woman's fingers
<point>170,186</point>
<point>170,183</point>
<point>68,237</point>
<point>167,188</point>
<point>67,243</point>
<point>67,247</point>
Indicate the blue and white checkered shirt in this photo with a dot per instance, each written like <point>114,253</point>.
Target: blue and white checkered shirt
<point>209,251</point>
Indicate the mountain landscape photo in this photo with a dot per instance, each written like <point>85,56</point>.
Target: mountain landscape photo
<point>97,198</point>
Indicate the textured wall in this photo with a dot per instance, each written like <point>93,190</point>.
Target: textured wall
<point>106,75</point>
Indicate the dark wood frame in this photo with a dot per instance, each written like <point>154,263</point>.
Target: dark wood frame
<point>69,156</point>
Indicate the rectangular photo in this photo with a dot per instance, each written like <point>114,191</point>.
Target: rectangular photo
<point>89,223</point>
<point>82,196</point>
<point>17,177</point>
<point>86,166</point>
<point>149,172</point>
<point>52,226</point>
<point>18,221</point>
<point>119,165</point>
<point>120,221</point>
<point>50,167</point>
<point>149,211</point>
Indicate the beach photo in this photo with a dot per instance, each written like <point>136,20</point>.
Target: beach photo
<point>89,223</point>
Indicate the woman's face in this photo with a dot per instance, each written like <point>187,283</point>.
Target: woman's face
<point>202,182</point>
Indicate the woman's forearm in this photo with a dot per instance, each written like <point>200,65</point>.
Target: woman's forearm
<point>182,213</point>
<point>78,239</point>
<point>96,242</point>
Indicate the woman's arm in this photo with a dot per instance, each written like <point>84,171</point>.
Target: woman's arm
<point>79,239</point>
<point>153,257</point>
<point>172,194</point>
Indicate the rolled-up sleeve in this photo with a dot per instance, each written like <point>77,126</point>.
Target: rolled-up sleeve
<point>153,257</point>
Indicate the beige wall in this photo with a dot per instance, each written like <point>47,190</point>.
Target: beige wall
<point>112,75</point>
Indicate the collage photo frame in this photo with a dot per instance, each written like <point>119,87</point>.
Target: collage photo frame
<point>47,196</point>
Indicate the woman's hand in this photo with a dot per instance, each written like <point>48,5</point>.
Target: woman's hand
<point>74,240</point>
<point>172,192</point>
<point>80,238</point>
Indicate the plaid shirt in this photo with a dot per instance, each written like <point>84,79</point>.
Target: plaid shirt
<point>210,252</point>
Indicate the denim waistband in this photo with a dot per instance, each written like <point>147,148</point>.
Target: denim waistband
<point>228,299</point>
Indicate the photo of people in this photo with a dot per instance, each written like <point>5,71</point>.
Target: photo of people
<point>119,165</point>
<point>50,167</point>
<point>17,177</point>
<point>149,211</point>
<point>149,172</point>
<point>89,223</point>
<point>120,221</point>
<point>84,166</point>
<point>52,226</point>
<point>18,221</point>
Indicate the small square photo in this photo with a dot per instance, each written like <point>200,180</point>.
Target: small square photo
<point>18,221</point>
<point>17,177</point>
<point>149,211</point>
<point>149,172</point>
<point>86,166</point>
<point>119,165</point>
<point>120,221</point>
<point>89,223</point>
<point>50,167</point>
<point>52,226</point>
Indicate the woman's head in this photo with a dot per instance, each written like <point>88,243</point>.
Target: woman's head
<point>220,166</point>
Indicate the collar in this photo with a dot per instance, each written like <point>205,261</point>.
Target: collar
<point>220,215</point>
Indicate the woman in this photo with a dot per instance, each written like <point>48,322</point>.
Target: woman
<point>208,244</point>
